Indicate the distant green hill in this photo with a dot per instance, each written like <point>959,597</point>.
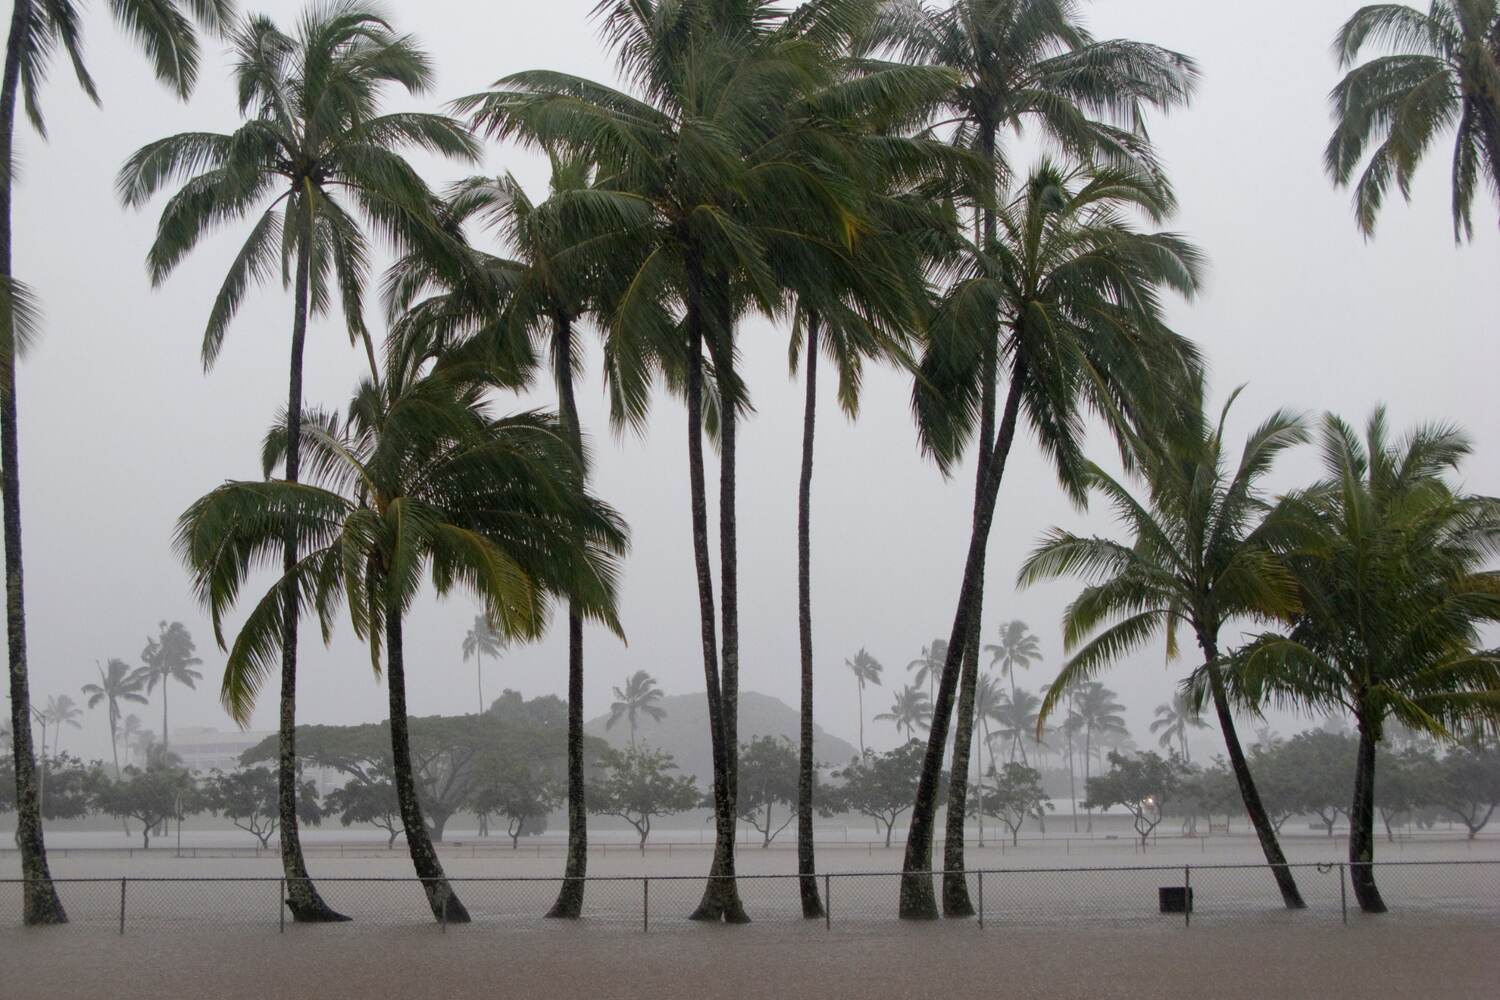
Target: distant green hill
<point>684,731</point>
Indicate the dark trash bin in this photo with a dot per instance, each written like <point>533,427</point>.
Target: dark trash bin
<point>1175,898</point>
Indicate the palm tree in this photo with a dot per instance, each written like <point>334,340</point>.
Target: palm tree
<point>638,697</point>
<point>312,138</point>
<point>420,481</point>
<point>116,684</point>
<point>1021,63</point>
<point>989,700</point>
<point>131,734</point>
<point>1098,714</point>
<point>1018,649</point>
<point>1172,722</point>
<point>730,203</point>
<point>60,711</point>
<point>1442,72</point>
<point>925,668</point>
<point>1199,557</point>
<point>481,640</point>
<point>1077,289</point>
<point>911,710</point>
<point>1017,716</point>
<point>566,249</point>
<point>1390,564</point>
<point>165,30</point>
<point>866,670</point>
<point>168,657</point>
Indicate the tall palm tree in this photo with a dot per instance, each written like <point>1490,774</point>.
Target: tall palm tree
<point>420,481</point>
<point>1017,716</point>
<point>638,697</point>
<point>168,657</point>
<point>729,203</point>
<point>1442,73</point>
<point>1390,563</point>
<point>165,30</point>
<point>480,641</point>
<point>1098,714</point>
<point>866,670</point>
<point>117,683</point>
<point>60,711</point>
<point>988,702</point>
<point>313,139</point>
<point>566,249</point>
<point>1018,649</point>
<point>1172,722</point>
<point>925,668</point>
<point>1077,289</point>
<point>1200,556</point>
<point>1022,64</point>
<point>912,710</point>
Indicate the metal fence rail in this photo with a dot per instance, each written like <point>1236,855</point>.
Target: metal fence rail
<point>1004,897</point>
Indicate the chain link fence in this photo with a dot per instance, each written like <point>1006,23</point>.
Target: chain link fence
<point>1013,897</point>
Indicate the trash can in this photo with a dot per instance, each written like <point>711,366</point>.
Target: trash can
<point>1175,898</point>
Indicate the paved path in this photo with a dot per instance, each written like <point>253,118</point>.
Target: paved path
<point>1454,959</point>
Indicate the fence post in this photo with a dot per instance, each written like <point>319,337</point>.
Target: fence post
<point>122,906</point>
<point>827,901</point>
<point>1187,895</point>
<point>281,905</point>
<point>1343,895</point>
<point>981,897</point>
<point>645,904</point>
<point>443,913</point>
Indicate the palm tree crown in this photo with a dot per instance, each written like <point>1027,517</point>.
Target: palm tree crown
<point>638,697</point>
<point>117,683</point>
<point>1442,73</point>
<point>912,710</point>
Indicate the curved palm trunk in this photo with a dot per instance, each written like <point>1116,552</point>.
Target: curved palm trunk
<point>302,896</point>
<point>40,904</point>
<point>424,858</point>
<point>720,896</point>
<point>812,906</point>
<point>1265,831</point>
<point>569,902</point>
<point>917,898</point>
<point>1362,826</point>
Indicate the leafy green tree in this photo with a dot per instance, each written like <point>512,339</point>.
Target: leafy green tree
<point>480,641</point>
<point>878,785</point>
<point>1014,794</point>
<point>153,795</point>
<point>1442,73</point>
<point>420,482</point>
<point>247,798</point>
<point>116,684</point>
<point>1021,64</point>
<point>1172,722</point>
<point>168,657</point>
<point>638,697</point>
<point>768,778</point>
<point>1142,785</point>
<point>1318,769</point>
<point>1393,596</point>
<point>165,30</point>
<point>368,799</point>
<point>866,670</point>
<point>1467,785</point>
<point>731,203</point>
<point>1200,555</point>
<point>636,784</point>
<point>910,711</point>
<point>516,788</point>
<point>318,166</point>
<point>1402,785</point>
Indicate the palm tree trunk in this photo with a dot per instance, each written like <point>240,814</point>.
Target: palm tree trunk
<point>979,784</point>
<point>569,902</point>
<point>1088,750</point>
<point>40,904</point>
<point>424,858</point>
<point>1362,826</point>
<point>165,742</point>
<point>479,678</point>
<point>806,864</point>
<point>917,898</point>
<point>303,898</point>
<point>860,694</point>
<point>1259,819</point>
<point>721,870</point>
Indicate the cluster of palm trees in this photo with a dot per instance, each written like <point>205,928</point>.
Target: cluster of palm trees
<point>846,167</point>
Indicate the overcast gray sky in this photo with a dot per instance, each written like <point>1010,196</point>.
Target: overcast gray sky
<point>121,429</point>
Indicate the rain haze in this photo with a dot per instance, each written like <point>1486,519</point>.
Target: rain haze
<point>122,428</point>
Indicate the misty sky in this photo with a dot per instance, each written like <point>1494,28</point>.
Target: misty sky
<point>121,428</point>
